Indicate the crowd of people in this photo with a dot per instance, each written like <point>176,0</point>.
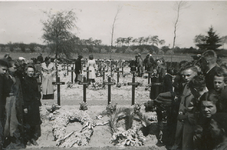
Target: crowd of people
<point>22,85</point>
<point>19,104</point>
<point>193,99</point>
<point>190,97</point>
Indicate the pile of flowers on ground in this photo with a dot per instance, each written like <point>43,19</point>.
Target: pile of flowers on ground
<point>61,118</point>
<point>128,132</point>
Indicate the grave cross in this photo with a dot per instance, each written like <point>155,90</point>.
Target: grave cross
<point>109,83</point>
<point>58,83</point>
<point>121,65</point>
<point>134,84</point>
<point>72,70</point>
<point>85,83</point>
<point>87,70</point>
<point>118,75</point>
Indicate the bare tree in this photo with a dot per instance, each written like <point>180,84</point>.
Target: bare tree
<point>113,25</point>
<point>179,5</point>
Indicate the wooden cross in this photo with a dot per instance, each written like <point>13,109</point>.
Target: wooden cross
<point>58,83</point>
<point>87,70</point>
<point>85,84</point>
<point>122,69</point>
<point>134,84</point>
<point>72,70</point>
<point>109,83</point>
<point>103,74</point>
<point>118,75</point>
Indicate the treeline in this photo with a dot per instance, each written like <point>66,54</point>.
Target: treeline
<point>99,48</point>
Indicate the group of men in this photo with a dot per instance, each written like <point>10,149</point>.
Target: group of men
<point>19,105</point>
<point>196,104</point>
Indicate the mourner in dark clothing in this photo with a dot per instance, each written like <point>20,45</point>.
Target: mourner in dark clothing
<point>202,137</point>
<point>78,67</point>
<point>3,94</point>
<point>32,102</point>
<point>40,58</point>
<point>13,129</point>
<point>185,119</point>
<point>221,89</point>
<point>219,130</point>
<point>149,62</point>
<point>139,63</point>
<point>156,88</point>
<point>132,65</point>
<point>209,67</point>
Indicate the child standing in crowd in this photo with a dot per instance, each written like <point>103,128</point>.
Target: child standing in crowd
<point>186,123</point>
<point>202,138</point>
<point>220,88</point>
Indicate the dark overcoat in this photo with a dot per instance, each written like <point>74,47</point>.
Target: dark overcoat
<point>77,65</point>
<point>32,102</point>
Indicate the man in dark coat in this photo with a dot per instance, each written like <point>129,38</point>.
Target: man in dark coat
<point>40,58</point>
<point>78,66</point>
<point>13,128</point>
<point>3,94</point>
<point>209,67</point>
<point>32,102</point>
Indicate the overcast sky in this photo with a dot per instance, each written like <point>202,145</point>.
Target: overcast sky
<point>21,21</point>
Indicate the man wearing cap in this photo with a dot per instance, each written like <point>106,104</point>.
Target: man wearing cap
<point>3,94</point>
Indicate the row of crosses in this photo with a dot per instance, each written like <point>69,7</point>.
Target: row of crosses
<point>85,84</point>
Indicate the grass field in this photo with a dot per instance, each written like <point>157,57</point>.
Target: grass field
<point>175,58</point>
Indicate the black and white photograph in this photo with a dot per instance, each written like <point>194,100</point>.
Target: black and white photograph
<point>107,75</point>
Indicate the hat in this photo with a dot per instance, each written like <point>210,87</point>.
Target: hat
<point>164,98</point>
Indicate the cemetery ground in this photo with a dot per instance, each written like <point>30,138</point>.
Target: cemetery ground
<point>71,95</point>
